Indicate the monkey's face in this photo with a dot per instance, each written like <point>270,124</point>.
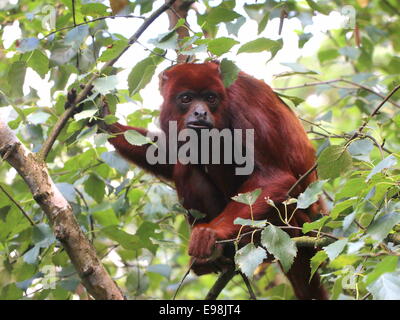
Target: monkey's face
<point>199,108</point>
<point>194,96</point>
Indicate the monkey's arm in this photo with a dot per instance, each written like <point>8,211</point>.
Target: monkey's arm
<point>205,235</point>
<point>137,154</point>
<point>274,187</point>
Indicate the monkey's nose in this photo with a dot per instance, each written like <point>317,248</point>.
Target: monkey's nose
<point>200,113</point>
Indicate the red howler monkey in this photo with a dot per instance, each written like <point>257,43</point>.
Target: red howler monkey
<point>195,97</point>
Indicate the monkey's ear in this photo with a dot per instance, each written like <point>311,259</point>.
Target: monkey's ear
<point>217,64</point>
<point>162,79</point>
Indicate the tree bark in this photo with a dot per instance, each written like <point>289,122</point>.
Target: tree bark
<point>59,212</point>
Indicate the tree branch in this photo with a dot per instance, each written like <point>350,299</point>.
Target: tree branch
<point>220,284</point>
<point>90,21</point>
<point>313,84</point>
<point>305,175</point>
<point>249,287</point>
<point>313,242</point>
<point>57,209</point>
<point>179,10</point>
<point>375,112</point>
<point>62,121</point>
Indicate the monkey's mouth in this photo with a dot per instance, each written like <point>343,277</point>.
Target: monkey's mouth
<point>201,124</point>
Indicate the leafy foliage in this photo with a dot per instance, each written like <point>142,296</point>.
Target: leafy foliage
<point>134,220</point>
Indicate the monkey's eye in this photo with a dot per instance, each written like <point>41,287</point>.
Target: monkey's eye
<point>186,98</point>
<point>211,98</point>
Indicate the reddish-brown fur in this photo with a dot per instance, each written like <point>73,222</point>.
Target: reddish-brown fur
<point>282,154</point>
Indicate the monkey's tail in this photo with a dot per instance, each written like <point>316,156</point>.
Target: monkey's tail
<point>299,276</point>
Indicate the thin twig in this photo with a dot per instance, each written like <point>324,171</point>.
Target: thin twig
<point>90,21</point>
<point>318,233</point>
<point>48,144</point>
<point>73,12</point>
<point>17,204</point>
<point>183,279</point>
<point>248,285</point>
<point>74,20</point>
<point>305,175</point>
<point>313,84</point>
<point>375,112</point>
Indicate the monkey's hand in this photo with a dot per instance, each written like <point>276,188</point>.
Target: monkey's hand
<point>206,266</point>
<point>202,242</point>
<point>71,99</point>
<point>207,256</point>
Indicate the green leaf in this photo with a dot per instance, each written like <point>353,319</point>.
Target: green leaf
<point>11,292</point>
<point>89,113</point>
<point>137,283</point>
<point>327,54</point>
<point>218,15</point>
<point>360,147</point>
<point>106,84</point>
<point>333,162</point>
<point>126,240</point>
<point>298,68</point>
<point>341,206</point>
<point>16,78</point>
<point>350,52</point>
<point>234,27</point>
<point>310,195</point>
<point>114,160</point>
<point>229,72</point>
<point>249,258</point>
<point>142,73</point>
<point>32,255</point>
<point>197,214</point>
<point>249,222</point>
<point>263,23</point>
<point>317,260</point>
<point>261,44</point>
<point>163,269</point>
<point>135,138</point>
<point>316,225</point>
<point>295,100</point>
<point>381,227</point>
<point>334,249</point>
<point>27,45</point>
<point>95,187</point>
<point>168,40</point>
<point>387,287</point>
<point>388,264</point>
<point>221,45</point>
<point>386,163</point>
<point>105,217</point>
<point>114,50</point>
<point>24,271</point>
<point>43,235</point>
<point>146,233</point>
<point>323,9</point>
<point>248,198</point>
<point>39,62</point>
<point>280,244</point>
<point>76,36</point>
<point>303,38</point>
<point>94,9</point>
<point>352,187</point>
